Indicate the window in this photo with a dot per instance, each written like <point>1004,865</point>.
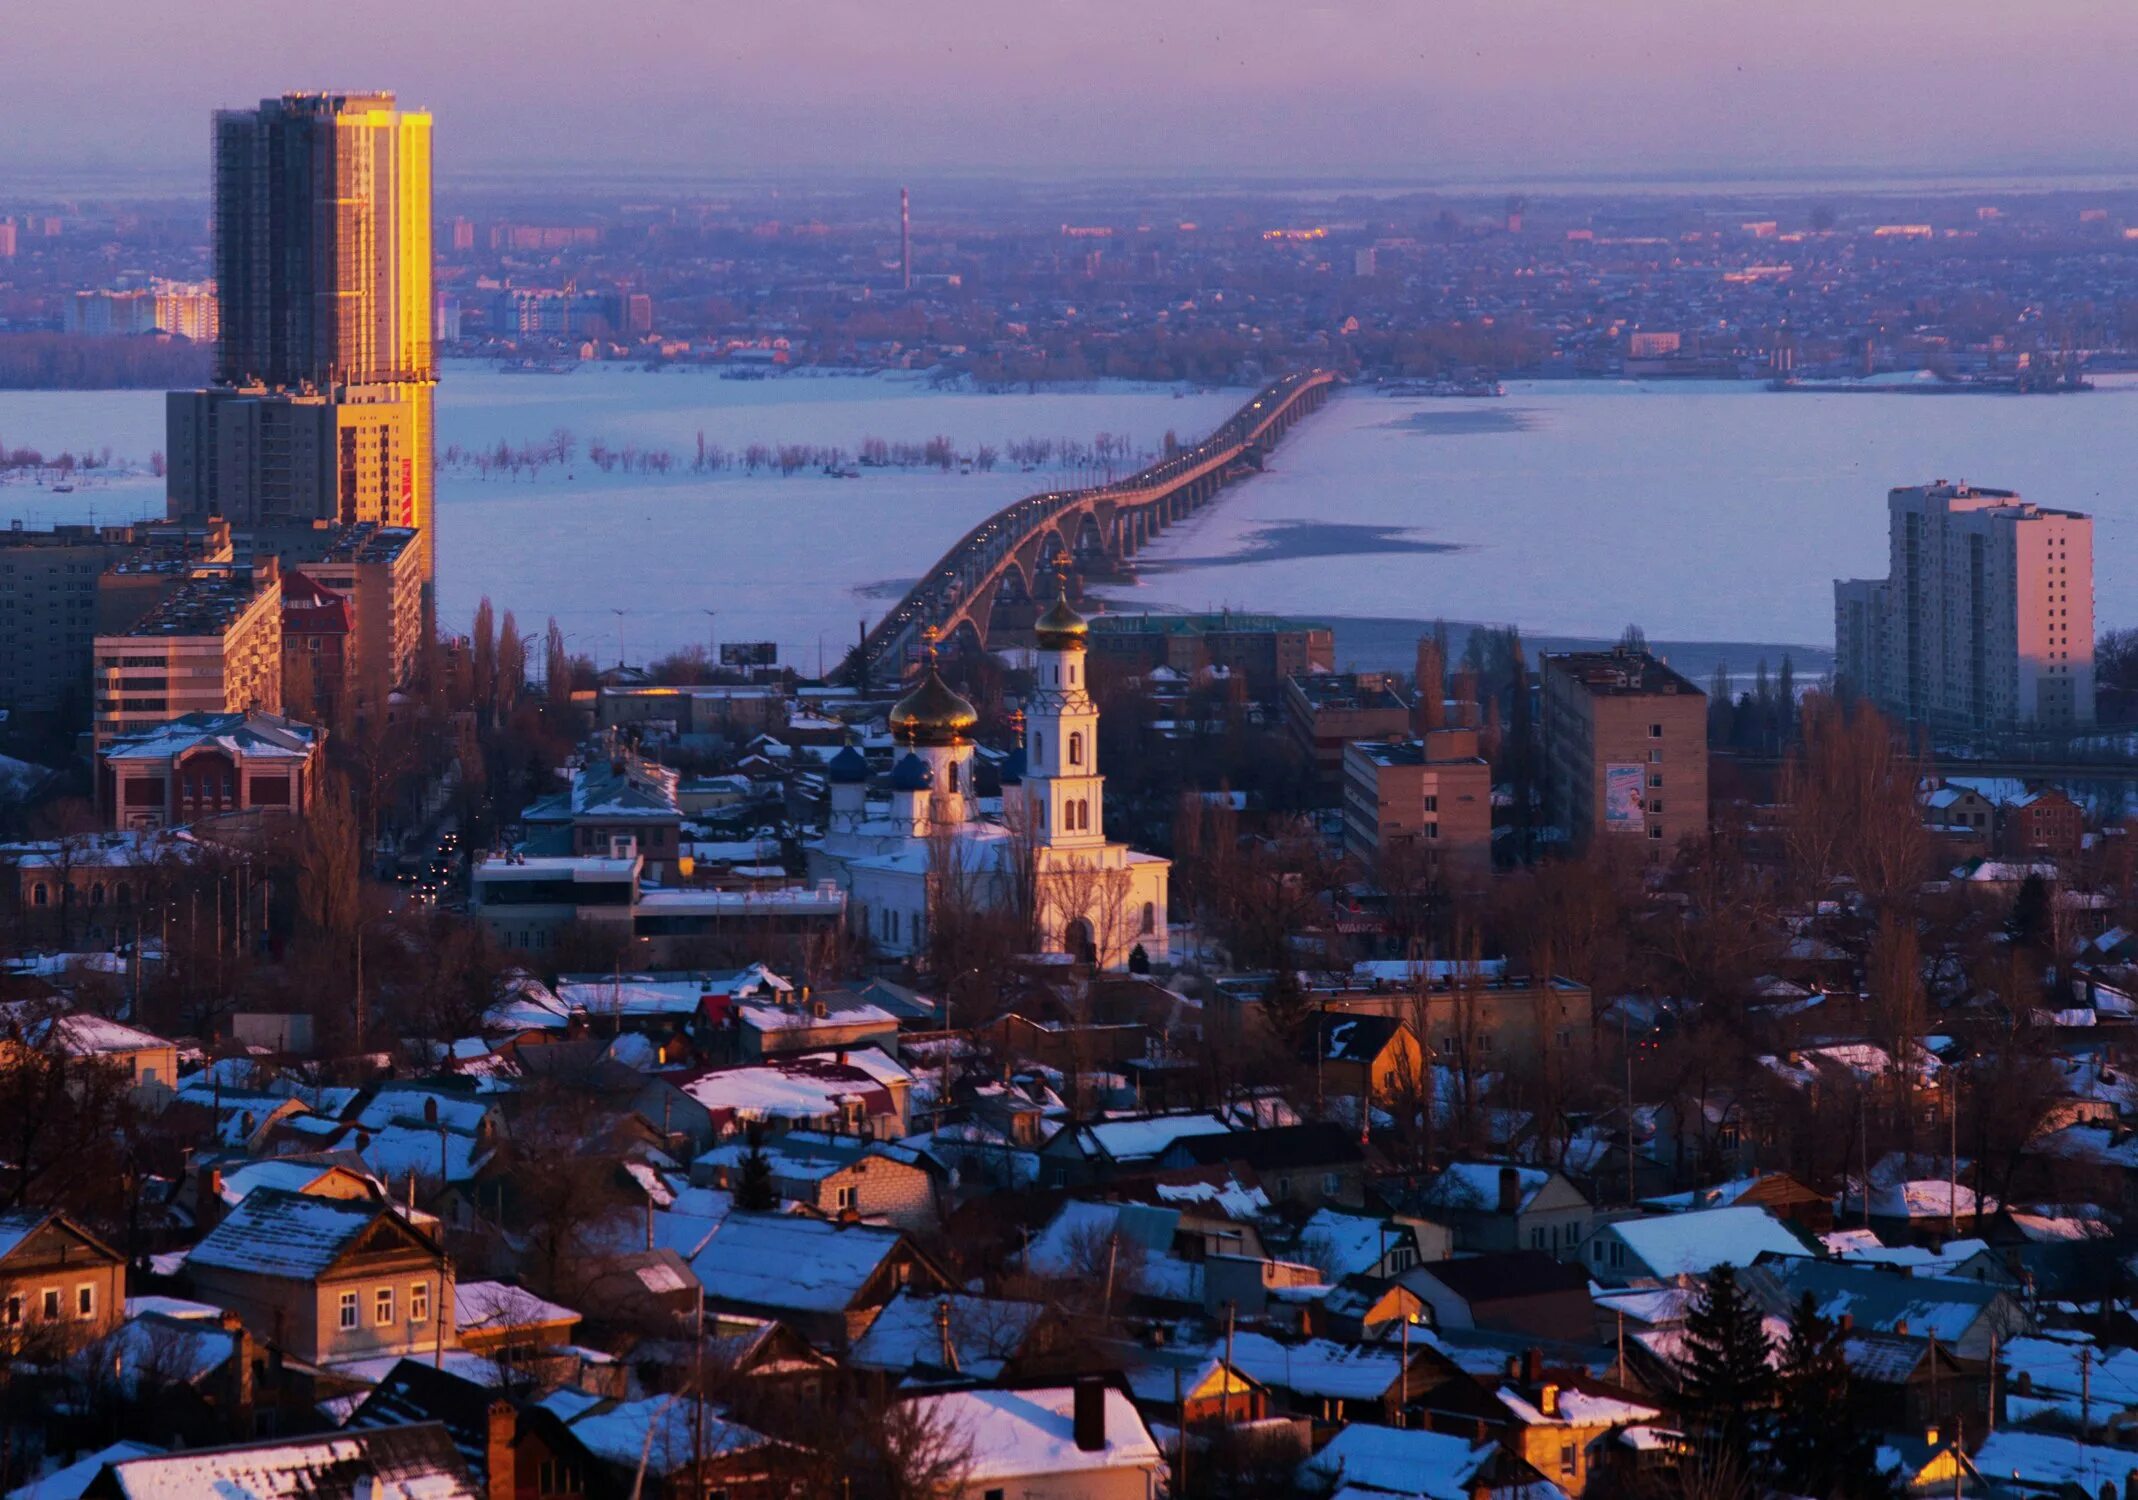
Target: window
<point>39,896</point>
<point>1655,731</point>
<point>348,1309</point>
<point>1039,745</point>
<point>1331,1184</point>
<point>842,1197</point>
<point>85,1300</point>
<point>419,1302</point>
<point>992,1495</point>
<point>1567,1463</point>
<point>1655,757</point>
<point>1150,916</point>
<point>96,893</point>
<point>1076,749</point>
<point>1655,832</point>
<point>11,1314</point>
<point>1432,804</point>
<point>1536,1238</point>
<point>51,1303</point>
<point>950,782</point>
<point>382,1306</point>
<point>1655,805</point>
<point>1655,781</point>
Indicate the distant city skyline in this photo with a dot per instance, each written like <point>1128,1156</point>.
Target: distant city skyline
<point>1456,91</point>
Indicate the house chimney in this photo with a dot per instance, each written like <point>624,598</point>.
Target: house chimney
<point>208,1207</point>
<point>238,1388</point>
<point>1090,1422</point>
<point>942,1332</point>
<point>1510,1190</point>
<point>1533,1366</point>
<point>1930,1434</point>
<point>1548,1400</point>
<point>498,1478</point>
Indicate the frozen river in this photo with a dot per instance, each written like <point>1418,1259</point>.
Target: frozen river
<point>1704,512</point>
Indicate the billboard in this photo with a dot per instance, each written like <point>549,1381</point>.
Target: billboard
<point>1624,809</point>
<point>748,653</point>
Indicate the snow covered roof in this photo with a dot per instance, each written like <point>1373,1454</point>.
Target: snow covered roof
<point>665,1431</point>
<point>1319,1368</point>
<point>1031,1433</point>
<point>1476,1185</point>
<point>251,736</point>
<point>492,1306</point>
<point>984,1332</point>
<point>1058,1249</point>
<point>1692,1244</point>
<point>75,1032</point>
<point>2046,1463</point>
<point>68,1483</point>
<point>809,1087</point>
<point>412,1462</point>
<point>790,1263</point>
<point>274,1233</point>
<point>1395,1461</point>
<point>1348,1243</point>
<point>1576,1408</point>
<point>1144,1138</point>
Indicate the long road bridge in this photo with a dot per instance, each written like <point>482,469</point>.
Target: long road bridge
<point>987,581</point>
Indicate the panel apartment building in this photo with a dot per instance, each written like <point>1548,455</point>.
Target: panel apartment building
<point>1985,621</point>
<point>1625,749</point>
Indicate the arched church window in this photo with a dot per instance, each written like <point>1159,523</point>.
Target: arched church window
<point>950,783</point>
<point>1076,749</point>
<point>1039,746</point>
<point>1150,916</point>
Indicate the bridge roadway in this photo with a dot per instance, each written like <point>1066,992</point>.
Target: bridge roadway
<point>996,565</point>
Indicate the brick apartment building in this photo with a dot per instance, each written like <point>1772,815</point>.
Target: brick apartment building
<point>1266,649</point>
<point>1431,795</point>
<point>1625,748</point>
<point>213,645</point>
<point>1323,712</point>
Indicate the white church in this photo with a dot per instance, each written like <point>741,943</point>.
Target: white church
<point>1095,900</point>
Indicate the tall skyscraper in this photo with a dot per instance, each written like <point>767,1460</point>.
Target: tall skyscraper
<point>322,407</point>
<point>1985,622</point>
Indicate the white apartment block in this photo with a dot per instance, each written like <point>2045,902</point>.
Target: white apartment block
<point>1985,622</point>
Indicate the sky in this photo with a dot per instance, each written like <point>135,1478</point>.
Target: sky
<point>1404,90</point>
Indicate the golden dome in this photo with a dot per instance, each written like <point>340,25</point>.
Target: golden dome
<point>933,713</point>
<point>1061,628</point>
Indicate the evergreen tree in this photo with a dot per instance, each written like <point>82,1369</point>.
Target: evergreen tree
<point>754,1192</point>
<point>1728,1385</point>
<point>1821,1447</point>
<point>2029,925</point>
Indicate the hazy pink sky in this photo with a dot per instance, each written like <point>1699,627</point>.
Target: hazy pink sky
<point>1412,88</point>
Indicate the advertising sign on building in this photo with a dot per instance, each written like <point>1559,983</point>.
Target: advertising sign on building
<point>748,653</point>
<point>1623,810</point>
